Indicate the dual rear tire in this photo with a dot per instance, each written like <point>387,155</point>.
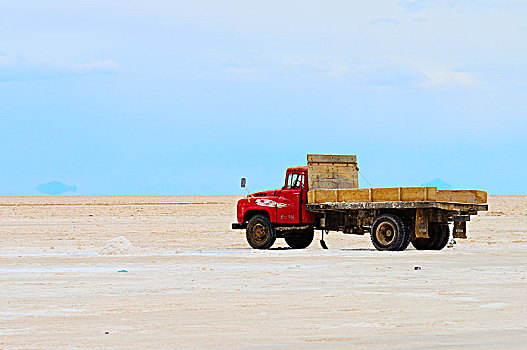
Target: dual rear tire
<point>390,232</point>
<point>439,234</point>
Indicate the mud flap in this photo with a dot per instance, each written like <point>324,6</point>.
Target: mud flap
<point>460,229</point>
<point>421,223</point>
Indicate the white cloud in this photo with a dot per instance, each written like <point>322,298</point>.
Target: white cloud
<point>320,67</point>
<point>419,5</point>
<point>439,74</point>
<point>95,67</point>
<point>375,73</point>
<point>387,73</point>
<point>244,72</point>
<point>379,73</point>
<point>22,70</point>
<point>338,69</point>
<point>384,20</point>
<point>442,78</point>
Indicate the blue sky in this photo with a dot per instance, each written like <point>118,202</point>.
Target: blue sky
<point>185,97</point>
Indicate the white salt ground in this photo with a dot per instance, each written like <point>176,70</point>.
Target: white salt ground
<point>118,246</point>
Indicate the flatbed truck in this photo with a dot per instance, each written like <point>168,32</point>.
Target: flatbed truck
<point>324,195</point>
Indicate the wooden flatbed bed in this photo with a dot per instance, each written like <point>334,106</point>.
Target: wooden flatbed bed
<point>450,206</point>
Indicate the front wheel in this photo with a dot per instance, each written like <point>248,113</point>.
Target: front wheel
<point>300,239</point>
<point>260,232</point>
<point>389,232</point>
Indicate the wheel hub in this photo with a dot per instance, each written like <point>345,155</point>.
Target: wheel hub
<point>259,233</point>
<point>385,233</point>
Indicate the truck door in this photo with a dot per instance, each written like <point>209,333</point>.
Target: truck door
<point>288,210</point>
<point>307,217</point>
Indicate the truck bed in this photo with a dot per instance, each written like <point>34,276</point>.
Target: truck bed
<point>396,194</point>
<point>451,206</point>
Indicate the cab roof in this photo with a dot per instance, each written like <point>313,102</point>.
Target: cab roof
<point>298,168</point>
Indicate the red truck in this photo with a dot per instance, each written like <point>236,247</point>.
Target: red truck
<point>324,195</point>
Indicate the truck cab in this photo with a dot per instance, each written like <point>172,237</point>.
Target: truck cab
<point>283,208</point>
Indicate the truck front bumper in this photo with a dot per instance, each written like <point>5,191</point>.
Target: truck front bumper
<point>239,226</point>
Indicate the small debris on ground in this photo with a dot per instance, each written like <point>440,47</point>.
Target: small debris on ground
<point>417,267</point>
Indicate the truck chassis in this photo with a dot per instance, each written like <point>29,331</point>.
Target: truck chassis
<point>420,219</point>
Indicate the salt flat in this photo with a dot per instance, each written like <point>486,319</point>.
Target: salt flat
<point>192,282</point>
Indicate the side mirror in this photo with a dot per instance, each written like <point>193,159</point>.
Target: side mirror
<point>243,182</point>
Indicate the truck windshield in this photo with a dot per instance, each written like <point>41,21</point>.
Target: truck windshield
<point>294,180</point>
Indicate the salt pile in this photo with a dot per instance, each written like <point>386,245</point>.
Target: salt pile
<point>118,246</point>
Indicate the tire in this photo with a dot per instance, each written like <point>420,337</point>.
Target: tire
<point>300,239</point>
<point>389,232</point>
<point>445,237</point>
<point>439,235</point>
<point>408,236</point>
<point>260,232</point>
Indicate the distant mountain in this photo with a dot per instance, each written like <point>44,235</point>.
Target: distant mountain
<point>440,184</point>
<point>55,187</point>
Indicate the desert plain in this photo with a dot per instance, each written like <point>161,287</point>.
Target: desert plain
<point>188,281</point>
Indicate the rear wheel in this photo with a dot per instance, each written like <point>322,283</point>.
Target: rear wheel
<point>445,232</point>
<point>439,235</point>
<point>300,239</point>
<point>260,232</point>
<point>389,232</point>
